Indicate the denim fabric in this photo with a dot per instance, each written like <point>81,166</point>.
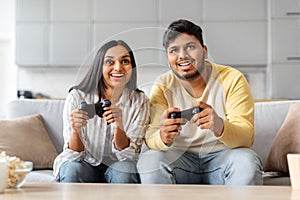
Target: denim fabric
<point>240,166</point>
<point>118,172</point>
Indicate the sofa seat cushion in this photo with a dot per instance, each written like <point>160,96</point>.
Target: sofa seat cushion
<point>40,176</point>
<point>277,180</point>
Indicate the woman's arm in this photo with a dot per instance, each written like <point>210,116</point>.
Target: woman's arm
<point>78,120</point>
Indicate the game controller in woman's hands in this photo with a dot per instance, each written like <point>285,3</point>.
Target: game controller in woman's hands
<point>95,109</point>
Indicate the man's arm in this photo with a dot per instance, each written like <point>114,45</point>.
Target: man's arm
<point>238,128</point>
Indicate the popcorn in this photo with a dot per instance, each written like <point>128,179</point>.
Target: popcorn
<point>13,163</point>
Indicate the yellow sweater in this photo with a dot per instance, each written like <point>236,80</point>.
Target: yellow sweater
<point>227,91</point>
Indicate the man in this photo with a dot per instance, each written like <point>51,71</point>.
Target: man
<point>213,147</point>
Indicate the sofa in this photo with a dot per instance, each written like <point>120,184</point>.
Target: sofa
<point>269,119</point>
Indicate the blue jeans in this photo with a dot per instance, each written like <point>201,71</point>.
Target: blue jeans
<point>240,166</point>
<point>118,172</point>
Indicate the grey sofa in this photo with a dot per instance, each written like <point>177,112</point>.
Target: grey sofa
<point>269,117</point>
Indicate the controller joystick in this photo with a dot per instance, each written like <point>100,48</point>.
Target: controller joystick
<point>95,109</point>
<point>186,114</point>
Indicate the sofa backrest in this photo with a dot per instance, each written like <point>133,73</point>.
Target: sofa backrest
<point>50,110</point>
<point>268,118</point>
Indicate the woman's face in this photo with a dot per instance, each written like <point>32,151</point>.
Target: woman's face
<point>117,67</point>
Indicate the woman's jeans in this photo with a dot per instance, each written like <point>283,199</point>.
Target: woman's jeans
<point>240,166</point>
<point>118,172</point>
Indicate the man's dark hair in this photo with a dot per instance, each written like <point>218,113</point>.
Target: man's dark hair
<point>182,26</point>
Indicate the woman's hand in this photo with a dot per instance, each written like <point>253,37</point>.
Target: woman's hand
<point>78,120</point>
<point>113,114</point>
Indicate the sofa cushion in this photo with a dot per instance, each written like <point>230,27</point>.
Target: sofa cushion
<point>51,111</point>
<point>26,138</point>
<point>286,141</point>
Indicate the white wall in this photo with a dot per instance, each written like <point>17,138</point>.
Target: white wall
<point>52,82</point>
<point>8,75</point>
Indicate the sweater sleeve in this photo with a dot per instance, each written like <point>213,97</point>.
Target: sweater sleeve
<point>239,119</point>
<point>158,105</point>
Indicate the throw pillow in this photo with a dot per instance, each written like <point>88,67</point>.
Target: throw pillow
<point>27,138</point>
<point>286,141</point>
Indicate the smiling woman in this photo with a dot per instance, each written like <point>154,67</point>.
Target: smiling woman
<point>104,148</point>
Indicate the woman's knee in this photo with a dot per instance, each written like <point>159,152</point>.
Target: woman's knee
<point>122,172</point>
<point>71,172</point>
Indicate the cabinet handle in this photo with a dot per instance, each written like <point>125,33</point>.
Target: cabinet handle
<point>293,58</point>
<point>293,13</point>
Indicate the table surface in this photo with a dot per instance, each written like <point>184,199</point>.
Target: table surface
<point>90,191</point>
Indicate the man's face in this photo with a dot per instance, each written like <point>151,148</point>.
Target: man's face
<point>186,56</point>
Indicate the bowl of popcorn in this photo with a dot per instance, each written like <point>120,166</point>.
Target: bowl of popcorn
<point>17,170</point>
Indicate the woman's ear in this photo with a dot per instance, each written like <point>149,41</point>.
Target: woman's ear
<point>205,50</point>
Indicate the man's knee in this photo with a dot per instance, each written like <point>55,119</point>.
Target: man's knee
<point>245,167</point>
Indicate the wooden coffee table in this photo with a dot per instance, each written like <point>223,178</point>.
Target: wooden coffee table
<point>73,191</point>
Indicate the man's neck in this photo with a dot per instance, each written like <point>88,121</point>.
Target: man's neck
<point>196,86</point>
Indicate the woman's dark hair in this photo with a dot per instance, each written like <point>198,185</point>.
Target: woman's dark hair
<point>182,26</point>
<point>93,80</point>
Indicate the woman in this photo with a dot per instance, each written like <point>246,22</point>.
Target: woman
<point>104,149</point>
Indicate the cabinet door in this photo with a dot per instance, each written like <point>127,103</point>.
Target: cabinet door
<point>129,10</point>
<point>285,81</point>
<point>141,37</point>
<point>70,10</point>
<point>286,40</point>
<point>70,43</point>
<point>234,10</point>
<point>171,10</point>
<point>31,44</point>
<point>237,42</point>
<point>286,8</point>
<point>31,10</point>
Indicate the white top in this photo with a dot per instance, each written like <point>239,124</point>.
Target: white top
<point>97,136</point>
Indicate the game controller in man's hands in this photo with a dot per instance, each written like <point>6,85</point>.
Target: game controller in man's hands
<point>186,114</point>
<point>95,109</point>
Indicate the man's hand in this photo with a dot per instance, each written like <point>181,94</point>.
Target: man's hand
<point>208,119</point>
<point>169,128</point>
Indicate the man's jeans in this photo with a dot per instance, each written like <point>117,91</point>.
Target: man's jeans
<point>240,166</point>
<point>118,172</point>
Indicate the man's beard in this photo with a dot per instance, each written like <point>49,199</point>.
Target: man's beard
<point>190,76</point>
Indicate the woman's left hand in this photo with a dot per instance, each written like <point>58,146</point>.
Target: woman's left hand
<point>113,114</point>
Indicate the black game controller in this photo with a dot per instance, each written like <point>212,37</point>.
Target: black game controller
<point>186,114</point>
<point>95,109</point>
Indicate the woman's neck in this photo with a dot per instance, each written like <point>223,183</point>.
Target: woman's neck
<point>113,94</point>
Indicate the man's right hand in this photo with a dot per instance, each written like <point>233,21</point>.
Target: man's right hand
<point>169,128</point>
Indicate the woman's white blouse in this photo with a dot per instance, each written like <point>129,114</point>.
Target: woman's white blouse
<point>97,136</point>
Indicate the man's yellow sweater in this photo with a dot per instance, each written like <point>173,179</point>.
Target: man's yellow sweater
<point>227,91</point>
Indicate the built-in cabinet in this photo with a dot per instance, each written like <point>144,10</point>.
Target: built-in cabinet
<point>285,62</point>
<point>251,35</point>
<point>55,33</point>
<point>236,34</point>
